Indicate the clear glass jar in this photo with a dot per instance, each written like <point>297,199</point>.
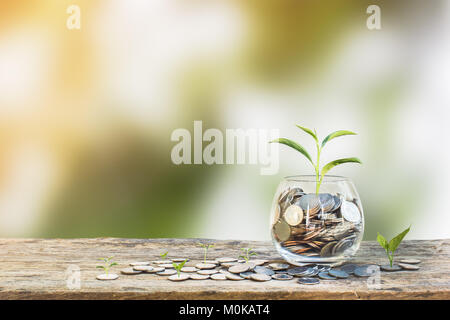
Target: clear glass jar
<point>323,228</point>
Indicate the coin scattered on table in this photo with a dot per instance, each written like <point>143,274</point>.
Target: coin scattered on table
<point>232,276</point>
<point>218,276</point>
<point>196,276</point>
<point>308,281</point>
<point>349,268</point>
<point>109,276</point>
<point>387,267</point>
<point>282,276</point>
<point>410,261</point>
<point>205,266</point>
<point>143,268</point>
<point>167,265</point>
<point>167,272</point>
<point>407,266</point>
<point>297,271</point>
<point>239,268</point>
<point>366,270</point>
<point>130,271</point>
<point>263,270</point>
<point>162,261</point>
<point>278,266</point>
<point>215,262</point>
<point>258,262</point>
<point>139,263</point>
<point>207,271</point>
<point>226,259</point>
<point>179,260</point>
<point>156,270</point>
<point>246,275</point>
<point>229,264</point>
<point>260,277</point>
<point>338,273</point>
<point>189,269</point>
<point>326,276</point>
<point>176,277</point>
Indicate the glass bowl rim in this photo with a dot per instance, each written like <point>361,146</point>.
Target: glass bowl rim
<point>312,178</point>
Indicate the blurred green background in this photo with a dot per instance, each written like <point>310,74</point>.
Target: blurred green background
<point>86,115</point>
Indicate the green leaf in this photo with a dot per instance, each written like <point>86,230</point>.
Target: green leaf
<point>393,244</point>
<point>308,131</point>
<point>100,267</point>
<point>382,241</point>
<point>295,146</point>
<point>334,163</point>
<point>113,264</point>
<point>335,135</point>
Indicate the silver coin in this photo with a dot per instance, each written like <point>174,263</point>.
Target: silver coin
<point>176,277</point>
<point>408,266</point>
<point>139,263</point>
<point>228,264</point>
<point>130,271</point>
<point>168,272</point>
<point>258,262</point>
<point>410,261</point>
<point>218,276</point>
<point>349,268</point>
<point>310,203</point>
<point>246,275</point>
<point>263,270</point>
<point>298,271</point>
<point>338,273</point>
<point>387,267</point>
<point>308,281</point>
<point>326,202</point>
<point>278,266</point>
<point>239,268</point>
<point>231,276</point>
<point>282,276</point>
<point>325,276</point>
<point>196,276</point>
<point>205,266</point>
<point>143,268</point>
<point>167,265</point>
<point>189,269</point>
<point>162,261</point>
<point>109,276</point>
<point>156,270</point>
<point>207,271</point>
<point>337,203</point>
<point>226,259</point>
<point>211,262</point>
<point>260,277</point>
<point>341,246</point>
<point>282,230</point>
<point>366,270</point>
<point>350,212</point>
<point>293,215</point>
<point>180,260</point>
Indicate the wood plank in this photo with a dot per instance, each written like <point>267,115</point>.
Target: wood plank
<point>36,269</point>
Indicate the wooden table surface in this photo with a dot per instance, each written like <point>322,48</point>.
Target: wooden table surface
<point>40,269</point>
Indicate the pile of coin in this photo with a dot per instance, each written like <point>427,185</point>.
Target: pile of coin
<point>316,225</point>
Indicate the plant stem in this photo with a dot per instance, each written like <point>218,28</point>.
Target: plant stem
<point>317,167</point>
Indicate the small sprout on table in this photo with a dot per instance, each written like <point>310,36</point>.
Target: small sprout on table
<point>247,253</point>
<point>392,245</point>
<point>205,247</point>
<point>179,266</point>
<point>319,146</point>
<point>164,255</point>
<point>108,263</point>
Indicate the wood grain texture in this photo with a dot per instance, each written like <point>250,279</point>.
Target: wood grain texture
<point>36,269</point>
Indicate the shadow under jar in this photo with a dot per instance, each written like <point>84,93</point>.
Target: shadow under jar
<point>323,228</point>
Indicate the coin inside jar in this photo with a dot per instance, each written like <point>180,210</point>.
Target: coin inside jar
<point>293,215</point>
<point>282,230</point>
<point>350,212</point>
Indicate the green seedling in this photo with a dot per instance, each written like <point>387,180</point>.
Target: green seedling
<point>319,173</point>
<point>392,245</point>
<point>163,255</point>
<point>107,264</point>
<point>179,266</point>
<point>205,247</point>
<point>247,253</point>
